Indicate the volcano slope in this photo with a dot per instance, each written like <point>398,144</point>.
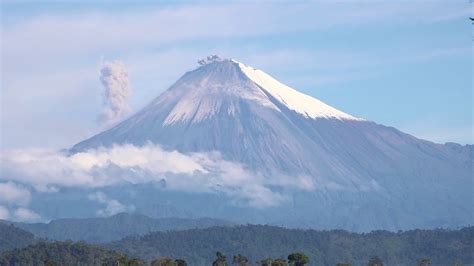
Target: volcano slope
<point>357,174</point>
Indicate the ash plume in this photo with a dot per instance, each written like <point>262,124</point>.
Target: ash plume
<point>116,94</point>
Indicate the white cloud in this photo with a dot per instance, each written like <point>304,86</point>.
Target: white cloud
<point>14,194</point>
<point>26,215</point>
<point>4,213</point>
<point>112,206</point>
<point>94,168</point>
<point>48,170</point>
<point>15,199</point>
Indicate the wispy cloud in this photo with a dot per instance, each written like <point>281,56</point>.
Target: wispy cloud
<point>112,206</point>
<point>26,215</point>
<point>4,213</point>
<point>118,31</point>
<point>14,194</point>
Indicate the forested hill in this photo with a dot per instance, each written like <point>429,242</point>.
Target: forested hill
<point>64,253</point>
<point>116,227</point>
<point>257,242</point>
<point>12,237</point>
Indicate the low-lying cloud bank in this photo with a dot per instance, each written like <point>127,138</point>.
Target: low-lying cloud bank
<point>47,171</point>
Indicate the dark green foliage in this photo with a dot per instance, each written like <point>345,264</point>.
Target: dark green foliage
<point>48,263</point>
<point>64,253</point>
<point>115,260</point>
<point>136,262</point>
<point>266,262</point>
<point>424,262</point>
<point>298,259</point>
<point>12,237</point>
<point>279,262</point>
<point>443,247</point>
<point>166,261</point>
<point>375,261</point>
<point>163,261</point>
<point>180,262</point>
<point>240,260</point>
<point>220,260</point>
<point>272,262</point>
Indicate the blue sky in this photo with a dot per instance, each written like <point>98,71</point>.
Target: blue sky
<point>405,64</point>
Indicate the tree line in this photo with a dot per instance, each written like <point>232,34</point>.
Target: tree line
<point>257,245</point>
<point>80,253</point>
<point>257,242</point>
<point>294,259</point>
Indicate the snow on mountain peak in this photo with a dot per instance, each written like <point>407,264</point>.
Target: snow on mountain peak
<point>301,103</point>
<point>220,84</point>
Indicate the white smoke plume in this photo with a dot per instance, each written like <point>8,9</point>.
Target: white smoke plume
<point>117,92</point>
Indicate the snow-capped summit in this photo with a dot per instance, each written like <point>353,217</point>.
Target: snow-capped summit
<point>210,91</point>
<point>293,99</point>
<point>377,175</point>
<point>219,83</point>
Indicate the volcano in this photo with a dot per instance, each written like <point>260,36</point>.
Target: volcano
<point>367,175</point>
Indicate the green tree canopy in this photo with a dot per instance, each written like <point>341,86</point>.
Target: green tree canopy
<point>279,262</point>
<point>424,262</point>
<point>180,262</point>
<point>240,260</point>
<point>163,261</point>
<point>266,262</point>
<point>272,262</point>
<point>136,262</point>
<point>298,259</point>
<point>220,259</point>
<point>375,261</point>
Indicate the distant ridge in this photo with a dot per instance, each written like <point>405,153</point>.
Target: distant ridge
<point>101,230</point>
<point>12,237</point>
